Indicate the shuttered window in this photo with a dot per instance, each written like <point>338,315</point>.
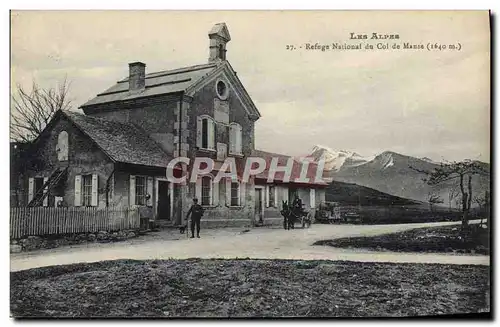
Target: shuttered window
<point>140,190</point>
<point>87,190</point>
<point>272,196</point>
<point>235,139</point>
<point>235,194</point>
<point>205,133</point>
<point>206,190</point>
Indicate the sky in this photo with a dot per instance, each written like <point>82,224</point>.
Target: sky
<point>422,103</point>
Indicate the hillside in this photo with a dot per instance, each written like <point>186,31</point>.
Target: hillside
<point>390,173</point>
<point>353,194</point>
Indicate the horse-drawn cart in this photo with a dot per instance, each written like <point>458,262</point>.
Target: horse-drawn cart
<point>292,215</point>
<point>329,213</point>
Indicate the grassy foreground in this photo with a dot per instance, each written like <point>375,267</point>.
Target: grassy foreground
<point>248,288</point>
<point>429,239</point>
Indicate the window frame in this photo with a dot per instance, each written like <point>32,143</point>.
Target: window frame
<point>205,138</point>
<point>210,190</point>
<point>86,198</point>
<point>238,198</point>
<point>225,95</point>
<point>235,139</point>
<point>272,192</point>
<point>144,186</point>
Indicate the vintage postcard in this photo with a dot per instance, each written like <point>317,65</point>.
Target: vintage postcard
<point>250,164</point>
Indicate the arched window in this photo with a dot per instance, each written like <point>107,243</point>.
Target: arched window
<point>62,146</point>
<point>235,139</point>
<point>205,132</point>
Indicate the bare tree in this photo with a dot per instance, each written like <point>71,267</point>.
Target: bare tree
<point>463,171</point>
<point>32,110</point>
<point>480,201</point>
<point>434,199</point>
<point>454,191</point>
<point>483,203</point>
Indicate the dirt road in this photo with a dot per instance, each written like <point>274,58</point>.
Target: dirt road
<point>261,243</point>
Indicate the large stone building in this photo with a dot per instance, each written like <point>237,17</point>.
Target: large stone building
<point>116,153</point>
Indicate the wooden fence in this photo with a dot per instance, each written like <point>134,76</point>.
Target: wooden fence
<point>49,221</point>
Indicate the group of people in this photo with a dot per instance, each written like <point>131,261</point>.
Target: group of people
<point>196,211</point>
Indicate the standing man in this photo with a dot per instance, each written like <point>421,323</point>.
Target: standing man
<point>196,211</point>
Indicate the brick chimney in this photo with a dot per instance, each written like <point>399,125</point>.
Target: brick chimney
<point>136,76</point>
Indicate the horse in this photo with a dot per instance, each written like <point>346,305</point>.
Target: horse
<point>291,215</point>
<point>288,216</point>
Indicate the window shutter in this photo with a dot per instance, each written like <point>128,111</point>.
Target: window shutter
<point>275,204</point>
<point>111,190</point>
<point>171,199</point>
<point>62,146</point>
<point>198,190</point>
<point>267,196</point>
<point>94,196</point>
<point>150,191</point>
<point>132,190</point>
<point>215,189</point>
<point>231,139</point>
<point>31,187</point>
<point>78,190</point>
<point>228,192</point>
<point>312,196</point>
<point>243,188</point>
<point>211,134</point>
<point>238,139</point>
<point>211,194</point>
<point>198,132</point>
<point>45,190</point>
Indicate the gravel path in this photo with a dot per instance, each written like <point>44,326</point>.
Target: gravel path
<point>259,243</point>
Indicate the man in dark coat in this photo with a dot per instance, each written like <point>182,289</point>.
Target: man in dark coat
<point>196,212</point>
<point>297,204</point>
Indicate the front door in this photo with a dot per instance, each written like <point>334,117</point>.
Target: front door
<point>163,201</point>
<point>258,205</point>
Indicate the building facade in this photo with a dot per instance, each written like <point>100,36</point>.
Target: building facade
<point>117,152</point>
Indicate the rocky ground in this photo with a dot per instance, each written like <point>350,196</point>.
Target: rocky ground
<point>248,288</point>
<point>430,239</point>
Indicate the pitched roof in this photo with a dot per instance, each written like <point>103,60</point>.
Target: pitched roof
<point>163,82</point>
<point>296,169</point>
<point>122,142</point>
<point>221,30</point>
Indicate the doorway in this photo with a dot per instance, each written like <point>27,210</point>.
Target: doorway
<point>259,207</point>
<point>163,200</point>
<point>38,184</point>
<point>292,192</point>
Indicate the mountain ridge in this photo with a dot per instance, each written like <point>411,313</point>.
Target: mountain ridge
<point>389,172</point>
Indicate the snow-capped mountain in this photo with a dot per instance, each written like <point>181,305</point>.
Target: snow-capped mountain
<point>429,160</point>
<point>335,160</point>
<point>388,172</point>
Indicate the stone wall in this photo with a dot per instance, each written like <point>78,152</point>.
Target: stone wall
<point>32,243</point>
<point>84,157</point>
